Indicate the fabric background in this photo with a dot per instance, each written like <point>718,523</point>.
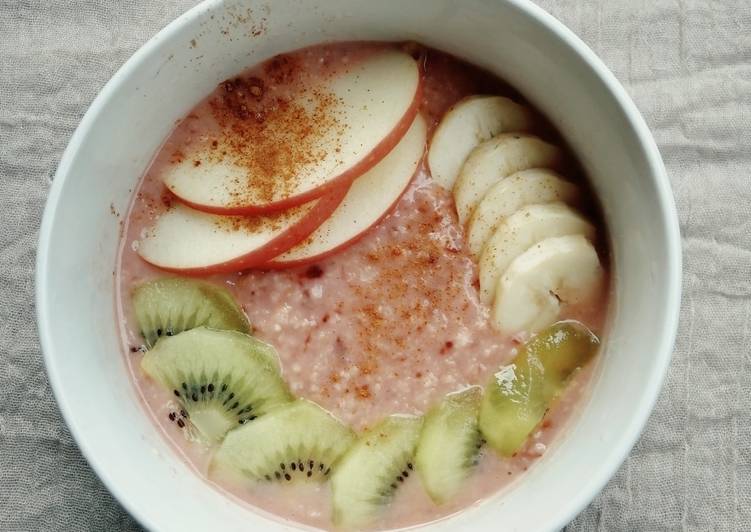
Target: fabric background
<point>686,63</point>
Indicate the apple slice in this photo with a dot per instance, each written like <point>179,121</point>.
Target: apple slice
<point>521,231</point>
<point>188,241</point>
<point>537,185</point>
<point>332,130</point>
<point>496,159</point>
<point>468,123</point>
<point>369,199</point>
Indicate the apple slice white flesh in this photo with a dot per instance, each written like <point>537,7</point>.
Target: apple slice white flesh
<point>519,232</point>
<point>368,200</point>
<point>184,240</point>
<point>537,185</point>
<point>369,107</point>
<point>496,159</point>
<point>468,123</point>
<point>557,271</point>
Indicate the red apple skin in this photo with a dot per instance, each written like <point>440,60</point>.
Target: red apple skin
<point>343,180</point>
<point>283,242</point>
<point>279,265</point>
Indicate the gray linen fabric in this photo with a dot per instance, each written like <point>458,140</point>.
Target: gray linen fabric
<point>687,64</point>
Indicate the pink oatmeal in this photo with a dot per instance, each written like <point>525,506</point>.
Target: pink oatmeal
<point>388,325</point>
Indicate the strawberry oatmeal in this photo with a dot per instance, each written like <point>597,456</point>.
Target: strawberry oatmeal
<point>361,286</point>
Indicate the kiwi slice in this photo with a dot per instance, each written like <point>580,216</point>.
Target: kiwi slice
<point>221,378</point>
<point>450,444</point>
<point>372,469</point>
<point>296,442</point>
<point>518,395</point>
<point>168,306</point>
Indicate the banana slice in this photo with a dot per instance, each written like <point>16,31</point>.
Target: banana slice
<point>556,271</point>
<point>468,123</point>
<point>538,185</point>
<point>519,232</point>
<point>496,159</point>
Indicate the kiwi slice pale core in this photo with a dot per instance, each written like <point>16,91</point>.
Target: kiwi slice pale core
<point>372,470</point>
<point>168,306</point>
<point>222,379</point>
<point>518,395</point>
<point>298,441</point>
<point>449,444</point>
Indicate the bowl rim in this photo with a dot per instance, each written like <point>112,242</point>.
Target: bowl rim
<point>639,129</point>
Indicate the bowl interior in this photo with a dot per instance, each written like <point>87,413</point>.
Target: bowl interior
<point>184,62</point>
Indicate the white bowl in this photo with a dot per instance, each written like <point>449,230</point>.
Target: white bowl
<point>164,79</point>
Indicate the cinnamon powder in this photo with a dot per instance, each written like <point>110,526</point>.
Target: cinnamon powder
<point>271,125</point>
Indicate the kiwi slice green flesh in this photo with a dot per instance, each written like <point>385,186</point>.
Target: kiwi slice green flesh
<point>165,307</point>
<point>372,469</point>
<point>221,378</point>
<point>296,442</point>
<point>450,444</point>
<point>518,395</point>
